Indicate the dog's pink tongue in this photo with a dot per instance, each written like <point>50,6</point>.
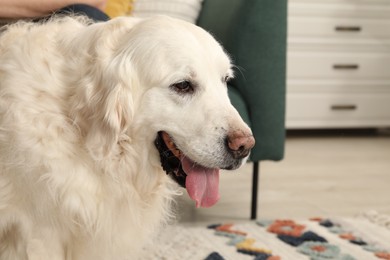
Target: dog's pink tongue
<point>202,183</point>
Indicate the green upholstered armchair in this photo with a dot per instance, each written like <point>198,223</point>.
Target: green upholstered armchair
<point>254,33</point>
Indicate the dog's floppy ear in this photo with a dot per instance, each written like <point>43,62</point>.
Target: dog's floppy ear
<point>103,106</point>
<point>110,113</point>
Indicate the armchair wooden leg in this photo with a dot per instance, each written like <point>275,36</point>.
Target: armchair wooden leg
<point>255,182</point>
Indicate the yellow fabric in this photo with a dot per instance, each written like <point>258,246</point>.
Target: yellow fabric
<point>116,8</point>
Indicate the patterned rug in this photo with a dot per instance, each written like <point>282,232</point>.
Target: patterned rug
<point>362,238</point>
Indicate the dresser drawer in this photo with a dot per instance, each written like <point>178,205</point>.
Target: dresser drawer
<point>341,110</point>
<point>372,9</point>
<point>339,27</point>
<point>338,65</point>
<point>344,45</point>
<point>341,86</point>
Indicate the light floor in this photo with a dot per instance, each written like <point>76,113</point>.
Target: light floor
<point>323,174</point>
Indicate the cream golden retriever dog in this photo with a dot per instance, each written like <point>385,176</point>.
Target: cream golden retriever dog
<point>90,117</point>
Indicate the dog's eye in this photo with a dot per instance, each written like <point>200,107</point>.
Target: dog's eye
<point>183,87</point>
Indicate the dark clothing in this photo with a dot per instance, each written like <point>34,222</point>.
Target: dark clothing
<point>82,9</point>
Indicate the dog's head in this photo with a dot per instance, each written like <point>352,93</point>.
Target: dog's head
<point>168,89</point>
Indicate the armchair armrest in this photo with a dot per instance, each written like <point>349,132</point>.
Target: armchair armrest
<point>254,33</point>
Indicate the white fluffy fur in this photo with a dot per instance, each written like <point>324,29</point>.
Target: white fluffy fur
<point>80,107</point>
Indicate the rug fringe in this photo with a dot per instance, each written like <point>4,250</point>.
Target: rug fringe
<point>377,218</point>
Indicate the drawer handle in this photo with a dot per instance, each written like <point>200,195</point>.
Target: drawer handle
<point>346,107</point>
<point>343,28</point>
<point>345,66</point>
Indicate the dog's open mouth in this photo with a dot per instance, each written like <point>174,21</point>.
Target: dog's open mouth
<point>202,183</point>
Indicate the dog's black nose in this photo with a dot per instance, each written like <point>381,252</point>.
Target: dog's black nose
<point>239,144</point>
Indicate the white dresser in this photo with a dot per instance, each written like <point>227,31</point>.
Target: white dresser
<point>338,65</point>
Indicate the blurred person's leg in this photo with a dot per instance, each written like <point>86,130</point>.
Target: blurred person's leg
<point>82,9</point>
